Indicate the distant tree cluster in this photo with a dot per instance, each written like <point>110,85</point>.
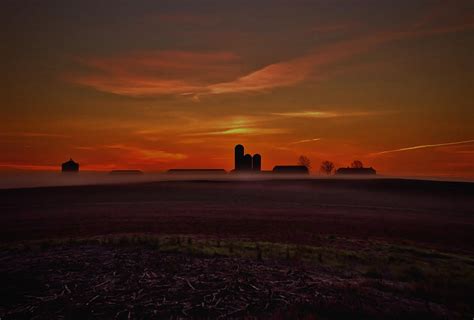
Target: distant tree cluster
<point>357,164</point>
<point>327,167</point>
<point>304,161</point>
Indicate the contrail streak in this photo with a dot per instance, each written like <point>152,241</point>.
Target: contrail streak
<point>306,140</point>
<point>424,146</point>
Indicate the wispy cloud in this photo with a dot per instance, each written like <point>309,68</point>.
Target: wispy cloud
<point>423,146</point>
<point>148,154</point>
<point>195,74</point>
<point>238,125</point>
<point>194,129</point>
<point>193,124</point>
<point>154,73</point>
<point>322,114</point>
<point>240,131</point>
<point>305,141</point>
<point>292,72</point>
<point>136,153</point>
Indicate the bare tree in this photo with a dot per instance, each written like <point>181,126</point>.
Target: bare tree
<point>304,161</point>
<point>327,167</point>
<point>357,164</point>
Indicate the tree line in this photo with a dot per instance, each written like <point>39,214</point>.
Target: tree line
<point>326,167</point>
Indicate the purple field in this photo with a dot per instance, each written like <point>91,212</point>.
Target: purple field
<point>426,212</point>
<point>376,248</point>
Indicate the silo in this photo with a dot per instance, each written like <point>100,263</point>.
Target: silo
<point>256,162</point>
<point>247,163</point>
<point>239,156</point>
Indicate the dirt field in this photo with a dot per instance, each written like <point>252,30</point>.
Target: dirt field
<point>97,281</point>
<point>428,212</point>
<point>283,249</point>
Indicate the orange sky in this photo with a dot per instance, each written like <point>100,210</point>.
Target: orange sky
<point>158,85</point>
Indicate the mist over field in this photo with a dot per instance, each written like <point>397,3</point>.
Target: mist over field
<point>48,179</point>
<point>363,207</point>
<point>33,179</point>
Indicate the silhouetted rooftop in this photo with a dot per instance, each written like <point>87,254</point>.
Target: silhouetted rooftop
<point>70,166</point>
<point>70,161</point>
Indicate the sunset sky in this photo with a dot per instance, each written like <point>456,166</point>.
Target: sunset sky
<point>155,85</point>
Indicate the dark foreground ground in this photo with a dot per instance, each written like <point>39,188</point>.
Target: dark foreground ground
<point>325,249</point>
<point>97,281</point>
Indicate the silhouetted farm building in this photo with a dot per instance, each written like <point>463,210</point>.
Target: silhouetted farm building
<point>70,166</point>
<point>349,171</point>
<point>257,162</point>
<point>238,157</point>
<point>291,169</point>
<point>246,162</point>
